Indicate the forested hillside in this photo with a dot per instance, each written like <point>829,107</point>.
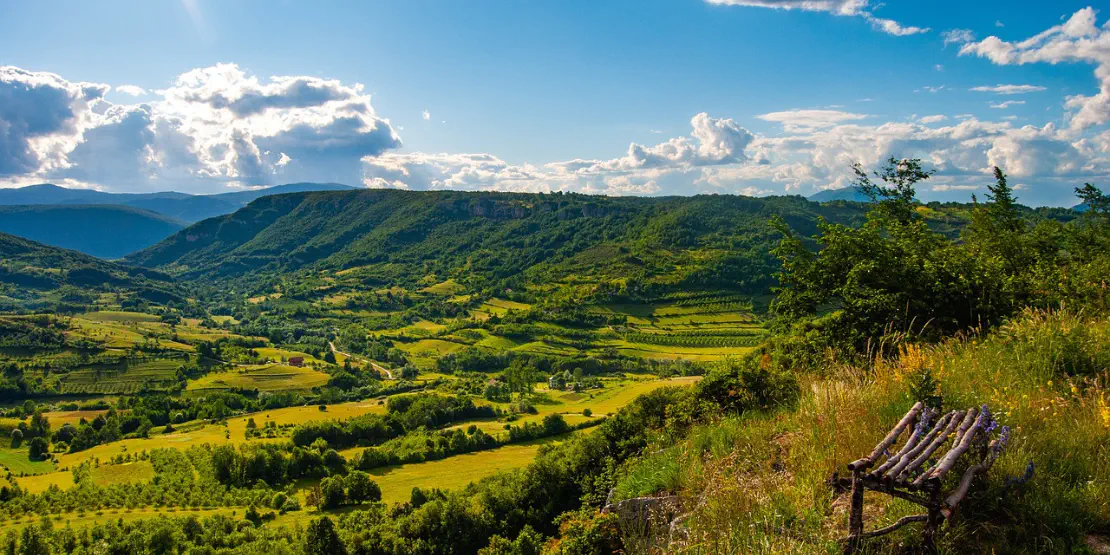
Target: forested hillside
<point>37,276</point>
<point>495,238</point>
<point>100,230</point>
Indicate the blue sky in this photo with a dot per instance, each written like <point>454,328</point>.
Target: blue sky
<point>550,95</point>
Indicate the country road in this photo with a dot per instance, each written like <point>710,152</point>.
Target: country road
<point>375,365</point>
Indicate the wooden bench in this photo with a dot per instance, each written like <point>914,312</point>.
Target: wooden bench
<point>914,474</point>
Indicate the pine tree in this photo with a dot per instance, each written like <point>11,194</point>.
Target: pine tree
<point>1003,205</point>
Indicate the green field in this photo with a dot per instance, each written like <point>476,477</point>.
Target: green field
<point>454,472</point>
<point>154,374</point>
<point>110,474</point>
<point>17,461</point>
<point>119,316</point>
<point>272,377</point>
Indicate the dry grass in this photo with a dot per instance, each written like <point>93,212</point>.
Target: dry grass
<point>758,481</point>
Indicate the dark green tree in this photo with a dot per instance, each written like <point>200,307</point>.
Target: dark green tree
<point>33,542</point>
<point>332,493</point>
<point>38,448</point>
<point>360,488</point>
<point>321,538</point>
<point>1097,202</point>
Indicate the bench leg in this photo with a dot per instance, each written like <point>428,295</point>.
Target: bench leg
<point>932,525</point>
<point>855,514</point>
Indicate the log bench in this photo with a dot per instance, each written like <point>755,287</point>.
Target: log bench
<point>916,471</point>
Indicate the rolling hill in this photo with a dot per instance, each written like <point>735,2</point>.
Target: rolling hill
<point>37,276</point>
<point>100,230</point>
<point>501,239</point>
<point>181,206</point>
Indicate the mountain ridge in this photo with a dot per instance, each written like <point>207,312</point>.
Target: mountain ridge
<point>186,207</point>
<point>503,238</point>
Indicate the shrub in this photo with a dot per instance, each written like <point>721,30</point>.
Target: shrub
<point>737,385</point>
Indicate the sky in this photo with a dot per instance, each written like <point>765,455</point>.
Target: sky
<point>675,97</point>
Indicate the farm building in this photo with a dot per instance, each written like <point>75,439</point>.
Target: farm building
<point>296,361</point>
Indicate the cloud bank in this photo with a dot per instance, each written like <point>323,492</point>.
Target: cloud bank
<point>215,125</point>
<point>220,126</point>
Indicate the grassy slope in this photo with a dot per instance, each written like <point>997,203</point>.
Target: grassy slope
<point>765,473</point>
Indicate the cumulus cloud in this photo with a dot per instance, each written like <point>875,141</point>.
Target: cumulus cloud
<point>720,156</point>
<point>858,8</point>
<point>643,170</point>
<point>427,115</point>
<point>220,126</point>
<point>130,90</point>
<point>213,126</point>
<point>1078,39</point>
<point>807,120</point>
<point>40,116</point>
<point>1008,89</point>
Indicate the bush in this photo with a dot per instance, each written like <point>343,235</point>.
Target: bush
<point>738,385</point>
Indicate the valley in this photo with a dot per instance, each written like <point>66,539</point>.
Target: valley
<point>400,356</point>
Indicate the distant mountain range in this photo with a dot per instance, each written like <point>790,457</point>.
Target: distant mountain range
<point>852,194</point>
<point>100,230</point>
<point>110,225</point>
<point>179,206</point>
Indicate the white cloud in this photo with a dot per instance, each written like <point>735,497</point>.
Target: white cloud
<point>216,127</point>
<point>944,188</point>
<point>857,8</point>
<point>718,156</point>
<point>999,24</point>
<point>957,36</point>
<point>41,117</point>
<point>643,170</point>
<point>1008,89</point>
<point>212,126</point>
<point>1007,104</point>
<point>806,120</point>
<point>1078,39</point>
<point>427,115</point>
<point>130,90</point>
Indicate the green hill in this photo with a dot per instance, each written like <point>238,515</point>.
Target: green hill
<point>502,239</point>
<point>37,276</point>
<point>99,230</point>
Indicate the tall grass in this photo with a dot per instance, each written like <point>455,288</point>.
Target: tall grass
<point>758,483</point>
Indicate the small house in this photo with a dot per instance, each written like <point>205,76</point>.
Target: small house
<point>556,382</point>
<point>296,361</point>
